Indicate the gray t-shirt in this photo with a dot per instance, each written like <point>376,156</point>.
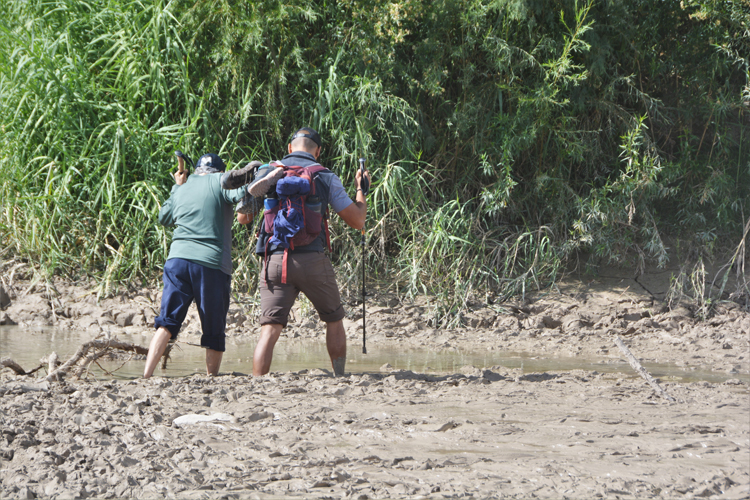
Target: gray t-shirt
<point>337,197</point>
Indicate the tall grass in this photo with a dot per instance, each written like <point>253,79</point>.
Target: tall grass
<point>95,98</point>
<point>505,138</point>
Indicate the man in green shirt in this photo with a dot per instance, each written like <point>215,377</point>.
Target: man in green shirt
<point>199,265</point>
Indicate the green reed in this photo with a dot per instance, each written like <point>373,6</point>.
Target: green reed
<point>506,139</point>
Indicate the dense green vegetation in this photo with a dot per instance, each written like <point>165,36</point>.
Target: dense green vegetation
<point>506,137</point>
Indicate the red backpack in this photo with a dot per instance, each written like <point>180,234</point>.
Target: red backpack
<point>300,216</point>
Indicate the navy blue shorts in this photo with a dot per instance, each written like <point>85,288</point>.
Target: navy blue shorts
<point>185,281</point>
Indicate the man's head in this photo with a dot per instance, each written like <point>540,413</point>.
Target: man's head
<point>307,140</point>
<point>211,161</point>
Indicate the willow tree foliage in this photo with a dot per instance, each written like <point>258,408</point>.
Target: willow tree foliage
<point>505,136</point>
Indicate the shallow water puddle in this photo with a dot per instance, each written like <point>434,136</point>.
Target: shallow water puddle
<point>27,345</point>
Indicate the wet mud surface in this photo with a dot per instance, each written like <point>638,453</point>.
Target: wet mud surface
<point>475,432</point>
<point>486,434</point>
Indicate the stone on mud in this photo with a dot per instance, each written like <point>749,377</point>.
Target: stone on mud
<point>4,297</point>
<point>125,318</point>
<point>6,320</point>
<point>25,494</point>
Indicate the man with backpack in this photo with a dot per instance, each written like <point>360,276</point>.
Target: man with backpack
<point>199,265</point>
<point>292,240</point>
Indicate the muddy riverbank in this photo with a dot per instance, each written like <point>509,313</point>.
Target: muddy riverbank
<point>484,434</point>
<point>577,321</point>
<point>488,431</point>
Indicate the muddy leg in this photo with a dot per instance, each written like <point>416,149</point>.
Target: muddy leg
<point>213,361</point>
<point>263,354</point>
<point>155,350</point>
<point>336,343</point>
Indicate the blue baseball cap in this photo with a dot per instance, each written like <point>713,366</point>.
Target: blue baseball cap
<point>212,161</point>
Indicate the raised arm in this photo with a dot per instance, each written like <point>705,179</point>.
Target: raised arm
<point>166,218</point>
<point>354,215</point>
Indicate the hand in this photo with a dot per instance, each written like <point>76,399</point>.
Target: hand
<point>180,177</point>
<point>358,178</point>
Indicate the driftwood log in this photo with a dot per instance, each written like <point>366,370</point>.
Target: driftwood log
<point>641,370</point>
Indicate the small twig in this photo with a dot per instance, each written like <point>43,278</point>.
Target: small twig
<point>13,273</point>
<point>116,369</point>
<point>7,263</point>
<point>32,286</point>
<point>90,358</point>
<point>86,369</point>
<point>9,363</point>
<point>641,371</point>
<point>106,372</point>
<point>165,356</point>
<point>31,372</point>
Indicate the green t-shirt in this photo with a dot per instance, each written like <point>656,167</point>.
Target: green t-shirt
<point>202,214</point>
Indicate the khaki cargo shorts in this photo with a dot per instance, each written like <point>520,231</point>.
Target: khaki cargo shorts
<point>309,273</point>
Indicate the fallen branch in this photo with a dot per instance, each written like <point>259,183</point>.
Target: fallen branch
<point>9,363</point>
<point>96,344</point>
<point>641,370</point>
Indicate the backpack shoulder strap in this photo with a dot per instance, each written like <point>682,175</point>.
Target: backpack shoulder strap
<point>314,169</point>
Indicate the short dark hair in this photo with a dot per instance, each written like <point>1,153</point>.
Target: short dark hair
<point>308,133</point>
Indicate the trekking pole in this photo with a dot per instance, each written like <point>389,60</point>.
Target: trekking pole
<point>364,184</point>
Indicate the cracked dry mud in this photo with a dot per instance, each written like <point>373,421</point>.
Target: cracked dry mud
<point>484,432</point>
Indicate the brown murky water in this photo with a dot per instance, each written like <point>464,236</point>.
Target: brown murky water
<point>27,345</point>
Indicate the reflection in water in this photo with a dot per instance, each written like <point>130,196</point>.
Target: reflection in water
<point>27,345</point>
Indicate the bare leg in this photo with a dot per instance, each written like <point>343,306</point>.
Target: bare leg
<point>213,361</point>
<point>155,350</point>
<point>336,343</point>
<point>263,354</point>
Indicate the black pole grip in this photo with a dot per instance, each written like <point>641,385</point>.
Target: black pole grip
<point>364,183</point>
<point>188,161</point>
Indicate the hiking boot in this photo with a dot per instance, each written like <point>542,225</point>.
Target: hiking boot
<point>240,177</point>
<point>261,186</point>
